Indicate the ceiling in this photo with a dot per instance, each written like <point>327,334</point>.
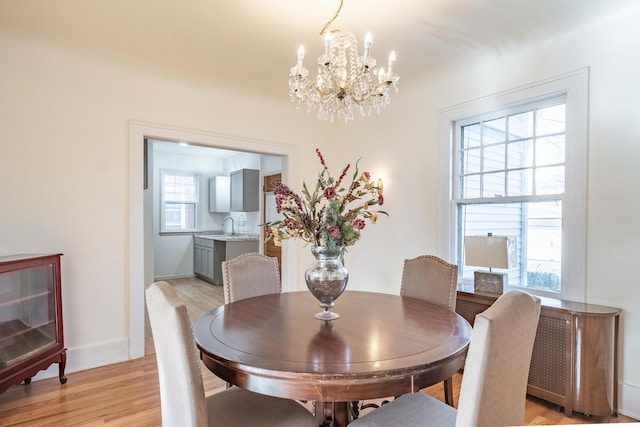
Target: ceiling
<point>248,46</point>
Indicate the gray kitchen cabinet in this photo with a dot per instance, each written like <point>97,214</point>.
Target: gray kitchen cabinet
<point>228,249</point>
<point>219,194</point>
<point>203,258</point>
<point>209,250</point>
<point>245,186</point>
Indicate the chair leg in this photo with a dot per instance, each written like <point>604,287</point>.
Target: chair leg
<point>448,391</point>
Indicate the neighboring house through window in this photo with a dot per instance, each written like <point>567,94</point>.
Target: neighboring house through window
<point>518,168</point>
<point>178,201</point>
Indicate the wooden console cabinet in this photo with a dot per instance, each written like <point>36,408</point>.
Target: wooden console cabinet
<point>31,336</point>
<point>575,355</point>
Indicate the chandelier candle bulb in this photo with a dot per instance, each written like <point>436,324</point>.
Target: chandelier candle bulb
<point>367,47</point>
<point>392,61</point>
<point>327,44</point>
<point>300,58</point>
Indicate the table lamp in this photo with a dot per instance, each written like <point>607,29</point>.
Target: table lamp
<point>492,252</point>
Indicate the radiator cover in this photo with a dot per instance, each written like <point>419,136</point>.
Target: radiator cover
<point>563,363</point>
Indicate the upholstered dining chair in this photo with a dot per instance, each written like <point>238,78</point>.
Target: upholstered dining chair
<point>432,279</point>
<point>250,275</point>
<point>182,398</point>
<point>494,383</point>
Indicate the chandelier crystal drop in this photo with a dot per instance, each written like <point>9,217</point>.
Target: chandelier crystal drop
<point>346,83</point>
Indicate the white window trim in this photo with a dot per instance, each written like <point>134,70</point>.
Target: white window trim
<point>164,172</point>
<point>574,219</point>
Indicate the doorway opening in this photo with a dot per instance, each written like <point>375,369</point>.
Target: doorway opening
<point>140,210</point>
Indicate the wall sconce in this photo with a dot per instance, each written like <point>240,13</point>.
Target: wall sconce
<point>492,252</point>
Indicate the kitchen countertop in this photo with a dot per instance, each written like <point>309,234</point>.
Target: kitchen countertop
<point>228,237</point>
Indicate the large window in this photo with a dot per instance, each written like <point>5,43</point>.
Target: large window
<point>518,169</point>
<point>179,201</point>
<point>511,182</point>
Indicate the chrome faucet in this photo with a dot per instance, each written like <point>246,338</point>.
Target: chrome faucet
<point>233,229</point>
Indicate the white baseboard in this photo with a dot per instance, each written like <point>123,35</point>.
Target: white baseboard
<point>80,359</point>
<point>629,401</point>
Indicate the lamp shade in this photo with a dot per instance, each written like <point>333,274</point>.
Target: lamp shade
<point>490,251</point>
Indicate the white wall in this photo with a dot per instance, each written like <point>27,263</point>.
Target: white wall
<point>64,126</point>
<point>270,165</point>
<point>64,132</point>
<point>610,50</point>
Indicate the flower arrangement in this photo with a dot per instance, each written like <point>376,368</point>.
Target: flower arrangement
<point>333,215</point>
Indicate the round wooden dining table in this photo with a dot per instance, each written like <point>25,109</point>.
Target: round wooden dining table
<point>381,345</point>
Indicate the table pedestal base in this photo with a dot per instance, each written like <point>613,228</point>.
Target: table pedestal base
<point>338,412</point>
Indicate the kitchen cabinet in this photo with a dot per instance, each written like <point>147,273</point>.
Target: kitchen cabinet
<point>203,258</point>
<point>225,249</point>
<point>209,250</point>
<point>31,337</point>
<point>245,186</point>
<point>219,194</point>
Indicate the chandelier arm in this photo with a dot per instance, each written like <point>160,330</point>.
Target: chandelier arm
<point>374,93</point>
<point>335,16</point>
<point>310,85</point>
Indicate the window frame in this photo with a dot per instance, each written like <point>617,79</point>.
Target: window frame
<point>163,201</point>
<point>575,87</point>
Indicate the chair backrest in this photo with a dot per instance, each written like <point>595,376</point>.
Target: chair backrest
<point>430,278</point>
<point>494,383</point>
<point>182,398</point>
<point>250,275</point>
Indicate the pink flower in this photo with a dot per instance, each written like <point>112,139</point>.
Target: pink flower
<point>333,230</point>
<point>359,224</point>
<point>330,193</point>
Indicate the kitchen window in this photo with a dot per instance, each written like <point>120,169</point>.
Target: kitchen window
<point>178,201</point>
<point>518,168</point>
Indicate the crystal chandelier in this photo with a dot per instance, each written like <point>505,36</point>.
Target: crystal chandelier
<point>346,82</point>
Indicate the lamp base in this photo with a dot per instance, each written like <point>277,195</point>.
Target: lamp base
<point>492,283</point>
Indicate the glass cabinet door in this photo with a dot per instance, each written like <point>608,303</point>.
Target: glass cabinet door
<point>27,313</point>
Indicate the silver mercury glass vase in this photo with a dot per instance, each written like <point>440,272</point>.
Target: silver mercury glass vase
<point>326,279</point>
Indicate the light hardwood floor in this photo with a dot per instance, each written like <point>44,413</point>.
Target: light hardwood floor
<point>127,394</point>
<point>199,297</point>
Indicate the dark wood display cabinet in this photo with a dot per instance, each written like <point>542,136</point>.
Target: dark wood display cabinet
<point>575,355</point>
<point>31,337</point>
